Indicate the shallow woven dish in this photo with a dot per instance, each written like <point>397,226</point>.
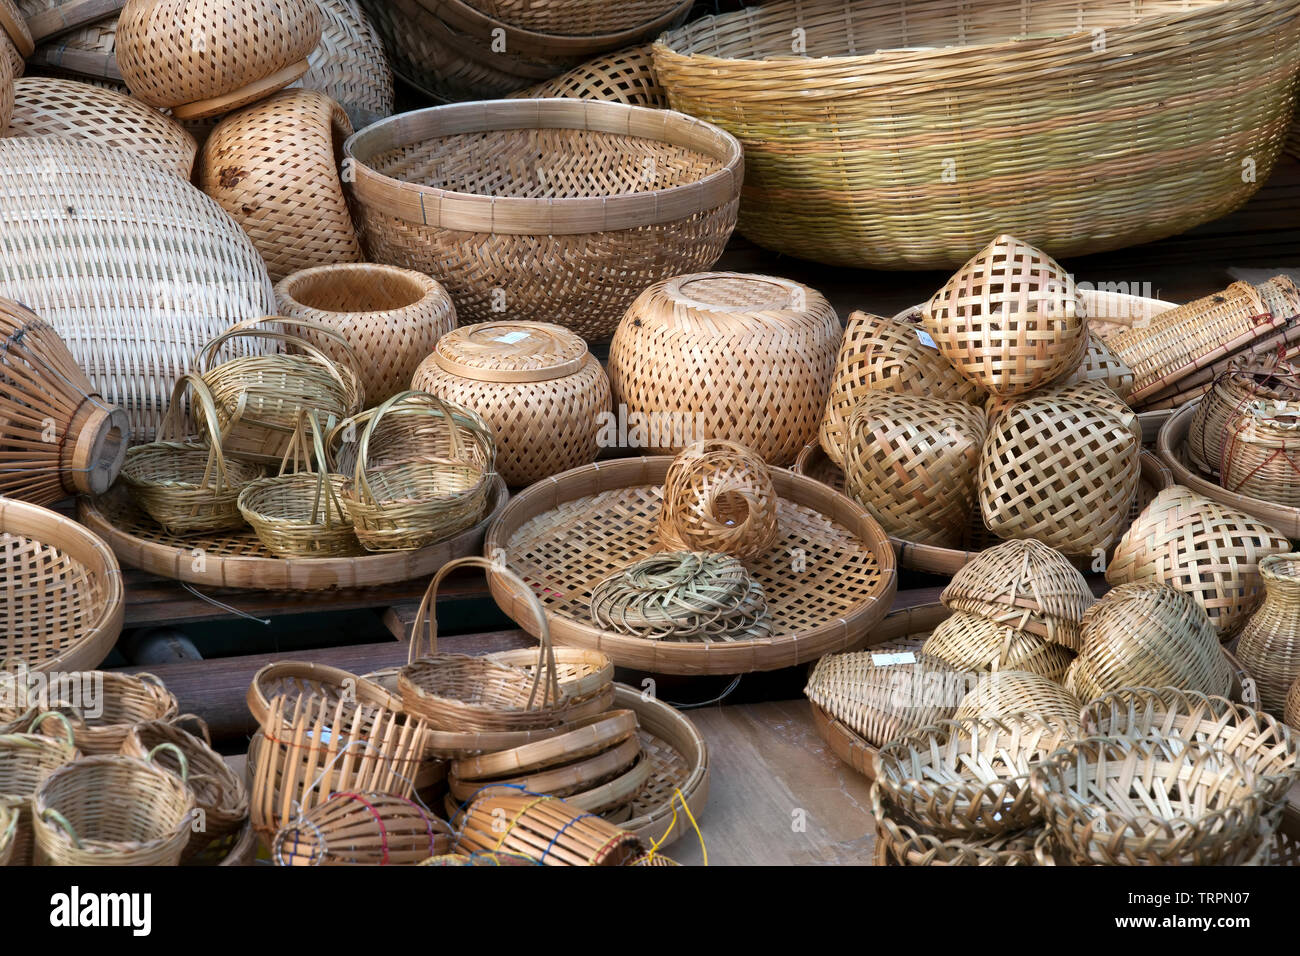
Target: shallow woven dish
<point>882,140</point>
<point>545,396</point>
<point>627,76</point>
<point>898,844</point>
<point>61,592</point>
<point>350,66</point>
<point>611,197</point>
<point>559,532</point>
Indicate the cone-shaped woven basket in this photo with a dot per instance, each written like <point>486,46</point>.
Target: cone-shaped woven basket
<point>362,829</point>
<point>1015,696</point>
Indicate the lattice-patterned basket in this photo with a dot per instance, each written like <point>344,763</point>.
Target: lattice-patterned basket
<point>1261,456</point>
<point>972,643</point>
<point>1269,647</point>
<point>913,464</point>
<point>275,167</point>
<point>612,198</point>
<point>26,759</point>
<point>1148,635</point>
<point>575,17</point>
<point>546,397</point>
<point>898,844</point>
<point>211,59</point>
<point>362,829</point>
<point>627,76</point>
<point>1014,696</point>
<point>1101,364</point>
<point>392,318</point>
<point>545,829</point>
<point>350,66</point>
<point>718,496</point>
<point>726,355</point>
<point>1200,547</point>
<point>1245,382</point>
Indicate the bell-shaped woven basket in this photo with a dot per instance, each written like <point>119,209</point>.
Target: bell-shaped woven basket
<point>972,643</point>
<point>1014,696</point>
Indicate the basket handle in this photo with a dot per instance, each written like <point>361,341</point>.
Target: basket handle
<point>49,813</point>
<point>198,723</point>
<point>426,621</point>
<point>180,755</point>
<point>304,454</point>
<point>67,724</point>
<point>216,434</point>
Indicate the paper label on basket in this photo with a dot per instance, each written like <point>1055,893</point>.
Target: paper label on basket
<point>889,660</point>
<point>324,735</point>
<point>510,338</point>
<point>924,336</point>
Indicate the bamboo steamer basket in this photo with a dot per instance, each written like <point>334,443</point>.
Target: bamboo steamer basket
<point>104,706</point>
<point>362,829</point>
<point>58,437</point>
<point>212,59</point>
<point>898,844</point>
<point>47,18</point>
<point>913,464</point>
<point>1261,457</point>
<point>1015,696</point>
<point>1148,635</point>
<point>47,106</point>
<point>574,17</point>
<point>350,65</point>
<point>1270,642</point>
<point>392,318</point>
<point>545,396</point>
<point>718,497</point>
<point>971,643</point>
<point>1202,548</point>
<point>474,193</point>
<point>274,166</point>
<point>727,355</point>
<point>1231,393</point>
<point>26,759</point>
<point>1132,802</point>
<point>928,192</point>
<point>544,829</point>
<point>627,76</point>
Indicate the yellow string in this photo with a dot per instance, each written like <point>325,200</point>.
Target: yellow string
<point>672,825</point>
<point>519,816</point>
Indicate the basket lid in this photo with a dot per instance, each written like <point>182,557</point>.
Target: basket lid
<point>737,292</point>
<point>510,352</point>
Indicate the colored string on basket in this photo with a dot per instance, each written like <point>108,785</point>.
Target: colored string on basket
<point>672,824</point>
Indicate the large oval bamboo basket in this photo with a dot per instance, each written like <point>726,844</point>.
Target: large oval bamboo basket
<point>878,136</point>
<point>611,198</point>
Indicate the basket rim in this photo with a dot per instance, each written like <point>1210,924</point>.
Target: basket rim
<point>435,207</point>
<point>466,18</point>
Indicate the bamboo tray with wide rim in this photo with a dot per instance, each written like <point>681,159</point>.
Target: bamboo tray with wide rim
<point>236,559</point>
<point>828,580</point>
<point>1172,447</point>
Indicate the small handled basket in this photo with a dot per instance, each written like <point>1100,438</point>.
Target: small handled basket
<point>298,513</point>
<point>185,486</point>
<point>362,829</point>
<point>258,397</point>
<point>112,810</point>
<point>309,679</point>
<point>120,702</point>
<point>26,759</point>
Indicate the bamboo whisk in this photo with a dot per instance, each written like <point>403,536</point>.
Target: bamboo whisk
<point>58,437</point>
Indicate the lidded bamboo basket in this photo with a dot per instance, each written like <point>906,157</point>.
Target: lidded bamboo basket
<point>1202,548</point>
<point>913,464</point>
<point>972,643</point>
<point>1244,383</point>
<point>718,496</point>
<point>611,198</point>
<point>350,65</point>
<point>274,166</point>
<point>1270,642</point>
<point>544,829</point>
<point>207,59</point>
<point>1261,457</point>
<point>1148,635</point>
<point>1013,696</point>
<point>545,396</point>
<point>362,829</point>
<point>26,759</point>
<point>726,355</point>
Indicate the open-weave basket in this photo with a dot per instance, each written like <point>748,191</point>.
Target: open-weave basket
<point>1261,456</point>
<point>1231,393</point>
<point>209,59</point>
<point>546,397</point>
<point>1148,635</point>
<point>575,17</point>
<point>274,166</point>
<point>718,496</point>
<point>878,135</point>
<point>913,463</point>
<point>392,318</point>
<point>611,198</point>
<point>1101,364</point>
<point>1142,801</point>
<point>349,65</point>
<point>972,643</point>
<point>1013,696</point>
<point>112,810</point>
<point>362,829</point>
<point>627,76</point>
<point>103,706</point>
<point>1202,548</point>
<point>899,844</point>
<point>312,679</point>
<point>26,759</point>
<point>1269,647</point>
<point>544,829</point>
<point>727,355</point>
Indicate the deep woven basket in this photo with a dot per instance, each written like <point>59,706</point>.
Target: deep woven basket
<point>1230,394</point>
<point>103,714</point>
<point>1014,696</point>
<point>1261,457</point>
<point>26,759</point>
<point>362,829</point>
<point>972,643</point>
<point>612,198</point>
<point>350,65</point>
<point>1269,647</point>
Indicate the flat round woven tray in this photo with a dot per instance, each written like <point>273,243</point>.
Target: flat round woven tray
<point>237,559</point>
<point>828,580</point>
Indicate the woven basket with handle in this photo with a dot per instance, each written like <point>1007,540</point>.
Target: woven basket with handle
<point>104,706</point>
<point>26,759</point>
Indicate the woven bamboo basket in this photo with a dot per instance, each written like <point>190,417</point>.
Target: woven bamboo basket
<point>1101,364</point>
<point>392,319</point>
<point>972,643</point>
<point>1148,635</point>
<point>26,759</point>
<point>913,464</point>
<point>104,706</point>
<point>1202,548</point>
<point>612,198</point>
<point>726,355</point>
<point>362,829</point>
<point>627,76</point>
<point>310,679</point>
<point>86,53</point>
<point>878,137</point>
<point>580,18</point>
<point>544,829</point>
<point>1269,647</point>
<point>48,18</point>
<point>1132,802</point>
<point>274,166</point>
<point>1062,470</point>
<point>546,397</point>
<point>898,844</point>
<point>967,778</point>
<point>1261,456</point>
<point>350,66</point>
<point>212,59</point>
<point>16,35</point>
<point>1013,697</point>
<point>718,496</point>
<point>1231,393</point>
<point>46,106</point>
<point>579,740</point>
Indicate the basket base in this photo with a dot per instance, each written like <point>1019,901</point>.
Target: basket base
<point>259,89</point>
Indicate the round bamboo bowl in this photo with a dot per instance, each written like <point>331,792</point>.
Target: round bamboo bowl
<point>211,59</point>
<point>898,844</point>
<point>1014,696</point>
<point>544,829</point>
<point>1245,382</point>
<point>350,65</point>
<point>971,643</point>
<point>392,318</point>
<point>878,136</point>
<point>48,18</point>
<point>545,396</point>
<point>274,166</point>
<point>1261,457</point>
<point>362,829</point>
<point>26,759</point>
<point>1269,647</point>
<point>611,198</point>
<point>726,355</point>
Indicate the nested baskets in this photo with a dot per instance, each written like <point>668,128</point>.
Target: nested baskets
<point>349,65</point>
<point>727,355</point>
<point>1292,712</point>
<point>274,166</point>
<point>26,759</point>
<point>103,706</point>
<point>1261,456</point>
<point>1269,647</point>
<point>111,810</point>
<point>913,463</point>
<point>612,198</point>
<point>899,844</point>
<point>972,643</point>
<point>1232,393</point>
<point>544,829</point>
<point>545,396</point>
<point>392,318</point>
<point>815,89</point>
<point>1200,547</point>
<point>362,829</point>
<point>1014,696</point>
<point>205,60</point>
<point>718,496</point>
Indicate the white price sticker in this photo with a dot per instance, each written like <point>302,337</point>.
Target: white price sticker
<point>889,660</point>
<point>510,338</point>
<point>924,336</point>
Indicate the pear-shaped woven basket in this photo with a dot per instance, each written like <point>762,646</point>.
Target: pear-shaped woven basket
<point>1269,647</point>
<point>362,829</point>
